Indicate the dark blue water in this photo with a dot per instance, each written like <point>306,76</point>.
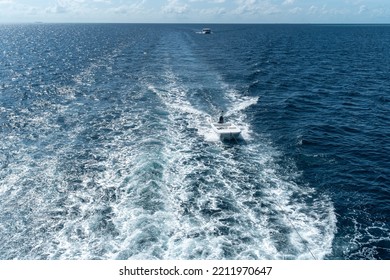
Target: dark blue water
<point>106,150</point>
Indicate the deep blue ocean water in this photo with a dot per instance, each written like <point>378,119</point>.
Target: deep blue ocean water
<point>106,150</point>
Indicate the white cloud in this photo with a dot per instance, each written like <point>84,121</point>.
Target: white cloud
<point>195,10</point>
<point>175,7</point>
<point>246,7</point>
<point>255,7</point>
<point>135,8</point>
<point>362,9</point>
<point>61,7</point>
<point>288,2</point>
<point>120,10</point>
<point>208,1</point>
<point>213,11</point>
<point>295,10</point>
<point>317,10</point>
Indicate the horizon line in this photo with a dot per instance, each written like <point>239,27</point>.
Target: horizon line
<point>205,23</point>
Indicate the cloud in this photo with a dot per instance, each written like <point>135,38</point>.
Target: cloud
<point>78,7</point>
<point>135,8</point>
<point>58,8</point>
<point>362,9</point>
<point>121,10</point>
<point>175,7</point>
<point>288,2</point>
<point>295,10</point>
<point>194,10</point>
<point>208,1</point>
<point>317,10</point>
<point>213,11</point>
<point>246,7</point>
<point>255,7</point>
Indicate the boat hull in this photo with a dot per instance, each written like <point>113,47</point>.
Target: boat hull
<point>226,131</point>
<point>206,31</point>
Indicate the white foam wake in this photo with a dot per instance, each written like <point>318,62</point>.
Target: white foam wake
<point>234,203</point>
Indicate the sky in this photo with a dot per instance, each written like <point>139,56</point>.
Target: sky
<point>196,11</point>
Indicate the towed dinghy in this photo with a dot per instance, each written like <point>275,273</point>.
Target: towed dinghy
<point>225,130</point>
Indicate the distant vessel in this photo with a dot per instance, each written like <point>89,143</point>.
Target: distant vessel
<point>206,31</point>
<point>225,130</point>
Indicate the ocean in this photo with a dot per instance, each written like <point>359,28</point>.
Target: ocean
<point>107,152</point>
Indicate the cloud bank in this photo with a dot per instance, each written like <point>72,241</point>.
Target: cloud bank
<point>192,11</point>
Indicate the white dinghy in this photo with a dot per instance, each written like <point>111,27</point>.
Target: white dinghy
<point>225,130</point>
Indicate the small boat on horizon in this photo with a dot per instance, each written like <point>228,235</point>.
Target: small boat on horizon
<point>206,31</point>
